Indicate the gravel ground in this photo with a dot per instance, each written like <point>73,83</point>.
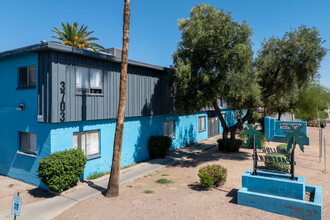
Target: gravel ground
<point>186,199</point>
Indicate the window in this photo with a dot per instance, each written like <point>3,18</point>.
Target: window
<point>27,77</point>
<point>201,123</point>
<point>28,142</point>
<point>89,80</point>
<point>169,128</point>
<point>88,141</point>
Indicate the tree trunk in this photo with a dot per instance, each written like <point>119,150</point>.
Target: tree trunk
<point>292,160</point>
<point>222,120</point>
<point>113,185</point>
<point>233,133</point>
<point>279,116</point>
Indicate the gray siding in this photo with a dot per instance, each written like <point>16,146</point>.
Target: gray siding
<point>145,96</point>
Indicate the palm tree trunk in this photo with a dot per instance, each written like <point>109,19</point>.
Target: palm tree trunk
<point>113,185</point>
<point>292,160</point>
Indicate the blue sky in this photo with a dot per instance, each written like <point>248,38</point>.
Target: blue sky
<point>153,30</point>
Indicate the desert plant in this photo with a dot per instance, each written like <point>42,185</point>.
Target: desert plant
<point>229,145</point>
<point>148,191</point>
<point>254,118</point>
<point>159,145</point>
<point>164,181</point>
<point>212,176</point>
<point>61,170</point>
<point>272,164</point>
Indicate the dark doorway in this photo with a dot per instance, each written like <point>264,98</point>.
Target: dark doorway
<point>213,126</point>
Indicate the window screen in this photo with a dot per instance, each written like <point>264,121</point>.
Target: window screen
<point>88,141</point>
<point>201,123</point>
<point>27,76</point>
<point>28,142</point>
<point>169,128</point>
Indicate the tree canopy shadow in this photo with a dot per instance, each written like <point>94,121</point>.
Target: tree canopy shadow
<point>206,156</point>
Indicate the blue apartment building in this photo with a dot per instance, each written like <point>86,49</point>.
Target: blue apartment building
<point>54,97</point>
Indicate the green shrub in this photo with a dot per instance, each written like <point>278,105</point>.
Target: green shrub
<point>229,145</point>
<point>254,118</point>
<point>283,167</point>
<point>323,123</point>
<point>158,146</point>
<point>212,176</point>
<point>281,148</point>
<point>148,191</point>
<point>261,140</point>
<point>62,170</point>
<point>164,181</point>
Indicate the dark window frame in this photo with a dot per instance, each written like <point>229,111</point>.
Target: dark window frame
<point>200,129</point>
<point>90,156</point>
<point>27,151</point>
<point>28,86</point>
<point>89,90</point>
<point>166,129</point>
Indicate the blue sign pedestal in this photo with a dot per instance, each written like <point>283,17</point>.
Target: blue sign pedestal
<point>277,193</point>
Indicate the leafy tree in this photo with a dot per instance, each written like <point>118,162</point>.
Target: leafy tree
<point>286,65</point>
<point>113,185</point>
<point>312,99</point>
<point>74,36</point>
<point>213,61</point>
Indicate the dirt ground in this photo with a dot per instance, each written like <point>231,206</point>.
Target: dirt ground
<point>29,193</point>
<point>186,199</point>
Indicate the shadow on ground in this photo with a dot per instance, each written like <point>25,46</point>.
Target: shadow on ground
<point>233,195</point>
<point>210,155</point>
<point>40,193</point>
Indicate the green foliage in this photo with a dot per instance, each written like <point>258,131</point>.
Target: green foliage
<point>213,62</point>
<point>212,176</point>
<point>96,175</point>
<point>164,181</point>
<point>287,64</point>
<point>323,123</point>
<point>230,145</point>
<point>282,149</point>
<point>283,167</point>
<point>311,100</point>
<point>254,119</point>
<point>158,146</point>
<point>262,140</point>
<point>62,170</point>
<point>74,36</point>
<point>148,191</point>
<point>165,174</point>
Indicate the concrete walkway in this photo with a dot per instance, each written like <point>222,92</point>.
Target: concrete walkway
<point>50,208</point>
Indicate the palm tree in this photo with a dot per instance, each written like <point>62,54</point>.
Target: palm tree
<point>113,185</point>
<point>295,136</point>
<point>74,36</point>
<point>254,134</point>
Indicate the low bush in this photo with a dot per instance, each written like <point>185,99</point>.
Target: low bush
<point>323,123</point>
<point>212,176</point>
<point>164,181</point>
<point>62,170</point>
<point>230,145</point>
<point>277,166</point>
<point>158,146</point>
<point>261,140</point>
<point>281,148</point>
<point>254,118</point>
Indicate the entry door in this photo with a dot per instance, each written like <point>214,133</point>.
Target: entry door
<point>213,126</point>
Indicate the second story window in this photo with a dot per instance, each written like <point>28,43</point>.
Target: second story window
<point>89,80</point>
<point>27,77</point>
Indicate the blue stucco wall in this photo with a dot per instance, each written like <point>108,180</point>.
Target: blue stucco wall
<point>18,166</point>
<point>273,131</point>
<point>135,141</point>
